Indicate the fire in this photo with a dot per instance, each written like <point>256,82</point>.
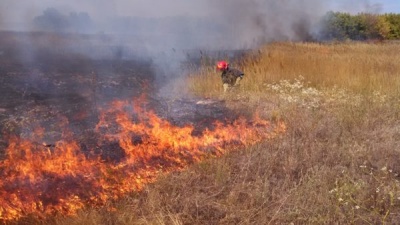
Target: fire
<point>41,180</point>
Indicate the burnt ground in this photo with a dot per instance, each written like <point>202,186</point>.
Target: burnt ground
<point>46,79</point>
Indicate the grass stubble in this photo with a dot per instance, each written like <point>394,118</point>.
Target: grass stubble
<point>338,163</point>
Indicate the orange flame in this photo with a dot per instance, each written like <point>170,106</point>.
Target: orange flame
<point>39,180</point>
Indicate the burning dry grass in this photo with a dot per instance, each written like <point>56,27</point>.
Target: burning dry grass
<point>337,163</point>
<point>39,180</point>
<point>339,158</point>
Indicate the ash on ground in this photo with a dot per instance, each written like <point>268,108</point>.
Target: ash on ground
<point>54,89</point>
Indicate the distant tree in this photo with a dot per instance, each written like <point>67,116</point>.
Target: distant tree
<point>394,24</point>
<point>374,26</point>
<point>363,26</point>
<point>80,22</point>
<point>51,20</point>
<point>332,27</point>
<point>355,27</point>
<point>341,26</point>
<point>383,26</point>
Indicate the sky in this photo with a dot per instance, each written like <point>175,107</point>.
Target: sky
<point>391,6</point>
<point>248,21</point>
<point>16,11</point>
<point>378,6</point>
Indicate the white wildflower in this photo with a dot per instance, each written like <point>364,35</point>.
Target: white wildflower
<point>333,190</point>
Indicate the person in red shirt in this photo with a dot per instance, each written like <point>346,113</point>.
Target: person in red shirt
<point>231,77</point>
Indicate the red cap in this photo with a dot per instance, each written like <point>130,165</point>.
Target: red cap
<point>222,65</point>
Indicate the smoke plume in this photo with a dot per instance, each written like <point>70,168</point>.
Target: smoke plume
<point>164,30</point>
<point>178,23</point>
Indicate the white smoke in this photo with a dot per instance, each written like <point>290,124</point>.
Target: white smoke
<point>163,29</point>
<point>187,24</point>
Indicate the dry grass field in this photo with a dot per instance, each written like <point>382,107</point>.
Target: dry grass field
<point>338,162</point>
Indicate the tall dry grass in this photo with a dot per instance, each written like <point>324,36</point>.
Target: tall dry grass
<point>338,163</point>
<point>358,66</point>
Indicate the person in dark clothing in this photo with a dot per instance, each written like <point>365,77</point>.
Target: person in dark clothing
<point>231,77</point>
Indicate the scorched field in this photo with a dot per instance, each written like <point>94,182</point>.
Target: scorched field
<point>311,136</point>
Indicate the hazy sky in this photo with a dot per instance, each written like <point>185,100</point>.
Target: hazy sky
<point>269,19</point>
<point>391,5</point>
<point>379,6</point>
<point>22,10</point>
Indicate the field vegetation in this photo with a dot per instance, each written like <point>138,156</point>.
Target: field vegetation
<point>361,26</point>
<point>338,163</point>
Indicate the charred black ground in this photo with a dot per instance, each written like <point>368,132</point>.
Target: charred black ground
<point>47,78</point>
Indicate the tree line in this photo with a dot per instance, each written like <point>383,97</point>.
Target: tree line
<point>54,20</point>
<point>332,26</point>
<point>362,26</point>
